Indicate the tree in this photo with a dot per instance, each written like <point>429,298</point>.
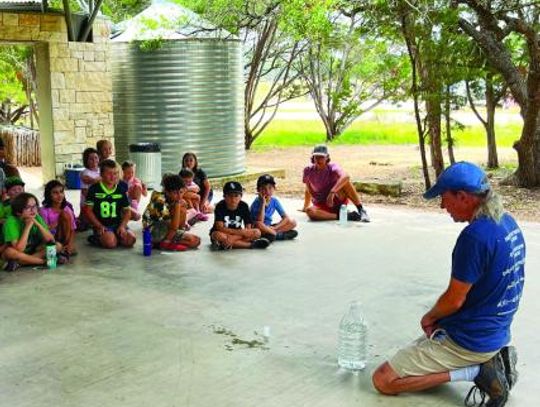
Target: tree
<point>490,25</point>
<point>16,92</point>
<point>492,89</point>
<point>349,70</point>
<point>269,51</point>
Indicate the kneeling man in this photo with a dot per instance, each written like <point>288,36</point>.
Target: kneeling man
<point>467,332</point>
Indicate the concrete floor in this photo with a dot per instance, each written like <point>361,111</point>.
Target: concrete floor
<point>118,329</point>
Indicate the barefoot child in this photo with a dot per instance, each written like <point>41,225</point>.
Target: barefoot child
<point>192,195</point>
<point>59,216</point>
<point>136,188</point>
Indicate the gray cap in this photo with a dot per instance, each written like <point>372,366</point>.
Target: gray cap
<point>320,149</point>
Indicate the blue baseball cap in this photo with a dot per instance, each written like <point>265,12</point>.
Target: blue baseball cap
<point>461,176</point>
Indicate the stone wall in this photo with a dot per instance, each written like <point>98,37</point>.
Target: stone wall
<point>74,85</point>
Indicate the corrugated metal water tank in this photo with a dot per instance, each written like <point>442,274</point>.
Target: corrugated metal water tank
<point>186,95</point>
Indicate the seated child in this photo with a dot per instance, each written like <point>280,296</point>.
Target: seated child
<point>192,194</point>
<point>13,186</point>
<point>263,208</point>
<point>232,223</point>
<point>89,176</point>
<point>59,216</point>
<point>135,186</point>
<point>26,235</point>
<point>107,210</point>
<point>165,215</point>
<point>104,149</point>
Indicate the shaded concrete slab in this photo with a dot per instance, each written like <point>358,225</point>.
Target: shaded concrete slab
<point>118,329</point>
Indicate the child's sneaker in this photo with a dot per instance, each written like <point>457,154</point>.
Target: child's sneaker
<point>261,243</point>
<point>11,265</point>
<point>354,216</point>
<point>364,216</point>
<point>172,246</point>
<point>288,235</point>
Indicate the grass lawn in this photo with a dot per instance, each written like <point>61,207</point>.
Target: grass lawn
<point>282,133</point>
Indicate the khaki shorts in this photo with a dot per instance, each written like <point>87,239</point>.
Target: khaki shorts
<point>434,355</point>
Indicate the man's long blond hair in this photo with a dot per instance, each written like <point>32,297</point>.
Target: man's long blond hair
<point>491,206</point>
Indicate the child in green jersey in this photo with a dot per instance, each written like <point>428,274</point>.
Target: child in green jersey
<point>108,211</point>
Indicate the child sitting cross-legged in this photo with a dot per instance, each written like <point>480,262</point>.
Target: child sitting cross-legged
<point>26,234</point>
<point>107,209</point>
<point>232,223</point>
<point>263,208</point>
<point>59,216</point>
<point>165,215</point>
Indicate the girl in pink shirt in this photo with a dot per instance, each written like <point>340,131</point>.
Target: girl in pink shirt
<point>59,216</point>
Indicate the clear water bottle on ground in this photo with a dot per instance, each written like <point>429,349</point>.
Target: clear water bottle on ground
<point>352,339</point>
<point>343,215</point>
<point>50,254</point>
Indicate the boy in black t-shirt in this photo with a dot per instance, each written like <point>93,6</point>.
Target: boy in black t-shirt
<point>108,211</point>
<point>233,224</point>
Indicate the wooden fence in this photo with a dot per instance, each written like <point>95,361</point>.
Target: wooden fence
<point>22,146</point>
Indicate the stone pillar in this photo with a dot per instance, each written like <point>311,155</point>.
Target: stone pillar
<point>74,86</point>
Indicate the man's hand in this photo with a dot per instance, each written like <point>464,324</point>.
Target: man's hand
<point>429,324</point>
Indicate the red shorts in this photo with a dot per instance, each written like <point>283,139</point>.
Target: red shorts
<point>335,208</point>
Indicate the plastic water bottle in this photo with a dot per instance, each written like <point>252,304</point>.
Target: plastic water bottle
<point>147,241</point>
<point>352,339</point>
<point>50,254</point>
<point>343,215</point>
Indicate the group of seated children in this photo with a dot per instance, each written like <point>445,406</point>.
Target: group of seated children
<point>109,202</point>
<point>27,228</point>
<point>238,226</point>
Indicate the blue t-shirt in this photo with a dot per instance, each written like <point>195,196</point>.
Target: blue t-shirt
<point>491,257</point>
<point>272,206</point>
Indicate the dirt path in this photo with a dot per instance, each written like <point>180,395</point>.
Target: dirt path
<point>391,163</point>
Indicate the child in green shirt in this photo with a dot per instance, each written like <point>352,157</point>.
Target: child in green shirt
<point>26,234</point>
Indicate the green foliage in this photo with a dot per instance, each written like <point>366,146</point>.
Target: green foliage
<point>12,78</point>
<point>282,133</point>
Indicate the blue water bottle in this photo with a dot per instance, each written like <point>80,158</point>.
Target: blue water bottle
<point>147,241</point>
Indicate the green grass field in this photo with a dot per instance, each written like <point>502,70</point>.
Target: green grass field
<point>282,133</point>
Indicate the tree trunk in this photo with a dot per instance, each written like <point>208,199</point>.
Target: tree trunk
<point>448,123</point>
<point>493,159</point>
<point>331,129</point>
<point>433,118</point>
<point>528,149</point>
<point>248,136</point>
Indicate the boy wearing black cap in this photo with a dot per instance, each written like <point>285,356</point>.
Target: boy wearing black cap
<point>233,224</point>
<point>263,208</point>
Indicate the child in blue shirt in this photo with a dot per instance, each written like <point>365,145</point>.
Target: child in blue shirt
<point>263,208</point>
